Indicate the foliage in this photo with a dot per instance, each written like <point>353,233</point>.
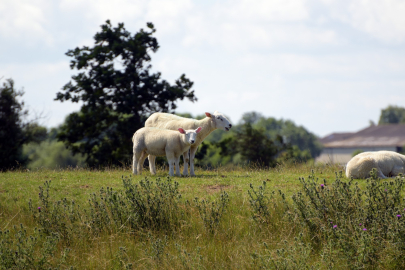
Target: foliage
<point>188,260</point>
<point>157,248</point>
<point>21,250</point>
<point>155,205</point>
<point>291,134</point>
<point>295,256</point>
<point>117,91</point>
<point>290,143</point>
<point>266,206</point>
<point>212,212</point>
<point>292,154</point>
<point>51,155</point>
<point>252,144</point>
<point>44,151</point>
<point>145,205</point>
<point>278,222</point>
<point>12,125</point>
<point>356,222</point>
<point>392,115</point>
<point>356,152</point>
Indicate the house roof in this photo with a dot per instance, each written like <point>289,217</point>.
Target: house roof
<point>373,136</point>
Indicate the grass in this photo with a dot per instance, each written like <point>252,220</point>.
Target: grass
<point>227,218</point>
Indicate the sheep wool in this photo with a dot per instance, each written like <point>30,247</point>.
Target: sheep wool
<point>161,142</point>
<point>387,163</point>
<point>212,122</point>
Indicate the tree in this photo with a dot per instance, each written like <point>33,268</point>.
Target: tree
<point>392,115</point>
<point>118,92</point>
<point>12,135</point>
<point>252,144</point>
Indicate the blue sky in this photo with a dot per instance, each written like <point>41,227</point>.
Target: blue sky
<point>328,65</point>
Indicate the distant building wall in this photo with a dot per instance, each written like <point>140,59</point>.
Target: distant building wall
<point>343,155</point>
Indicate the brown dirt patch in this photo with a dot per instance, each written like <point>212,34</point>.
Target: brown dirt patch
<point>85,186</point>
<point>217,188</point>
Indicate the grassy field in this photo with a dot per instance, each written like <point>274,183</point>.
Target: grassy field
<point>227,218</point>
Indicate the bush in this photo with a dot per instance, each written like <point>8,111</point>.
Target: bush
<point>146,205</point>
<point>360,224</point>
<point>20,250</point>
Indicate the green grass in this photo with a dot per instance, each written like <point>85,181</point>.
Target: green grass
<point>242,237</point>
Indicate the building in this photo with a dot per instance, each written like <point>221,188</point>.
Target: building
<point>339,147</point>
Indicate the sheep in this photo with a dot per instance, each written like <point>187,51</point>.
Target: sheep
<point>387,163</point>
<point>212,122</point>
<point>161,142</point>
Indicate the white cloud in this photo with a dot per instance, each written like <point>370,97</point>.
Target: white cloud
<point>241,25</point>
<point>25,20</point>
<point>41,82</point>
<point>264,10</point>
<point>384,20</point>
<point>165,14</point>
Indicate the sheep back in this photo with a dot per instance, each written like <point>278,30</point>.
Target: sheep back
<point>387,163</point>
<point>157,141</point>
<point>171,121</point>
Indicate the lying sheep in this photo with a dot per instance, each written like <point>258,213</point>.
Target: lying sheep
<point>387,163</point>
<point>169,121</point>
<point>161,142</point>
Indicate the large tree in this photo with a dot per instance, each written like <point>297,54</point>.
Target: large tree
<point>12,135</point>
<point>253,145</point>
<point>118,92</point>
<point>291,134</point>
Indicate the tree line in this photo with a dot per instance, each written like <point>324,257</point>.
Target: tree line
<point>118,90</point>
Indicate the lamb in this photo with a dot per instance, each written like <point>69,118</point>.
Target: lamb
<point>212,122</point>
<point>161,142</point>
<point>387,163</point>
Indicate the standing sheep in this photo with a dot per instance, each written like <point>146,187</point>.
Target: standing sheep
<point>169,121</point>
<point>161,142</point>
<point>387,163</point>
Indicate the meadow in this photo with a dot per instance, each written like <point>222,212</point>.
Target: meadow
<point>287,217</point>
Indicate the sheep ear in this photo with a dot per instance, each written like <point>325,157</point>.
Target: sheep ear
<point>198,129</point>
<point>208,114</point>
<point>182,131</point>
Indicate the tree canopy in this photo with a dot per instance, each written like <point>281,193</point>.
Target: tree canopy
<point>118,91</point>
<point>12,135</point>
<point>392,115</point>
<point>259,139</point>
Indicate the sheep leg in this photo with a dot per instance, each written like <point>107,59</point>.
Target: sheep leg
<point>193,150</point>
<point>397,170</point>
<point>135,161</point>
<point>177,161</point>
<point>171,159</point>
<point>380,174</point>
<point>141,161</point>
<point>152,164</point>
<point>171,167</point>
<point>186,159</point>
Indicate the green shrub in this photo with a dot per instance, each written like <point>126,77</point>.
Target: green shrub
<point>267,207</point>
<point>19,250</point>
<point>212,212</point>
<point>145,205</point>
<point>359,223</point>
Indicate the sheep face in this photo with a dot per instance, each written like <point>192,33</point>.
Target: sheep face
<point>190,135</point>
<point>220,120</point>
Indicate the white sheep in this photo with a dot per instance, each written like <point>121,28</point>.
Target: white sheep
<point>161,142</point>
<point>387,163</point>
<point>212,122</point>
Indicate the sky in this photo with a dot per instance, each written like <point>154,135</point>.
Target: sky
<point>327,65</point>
